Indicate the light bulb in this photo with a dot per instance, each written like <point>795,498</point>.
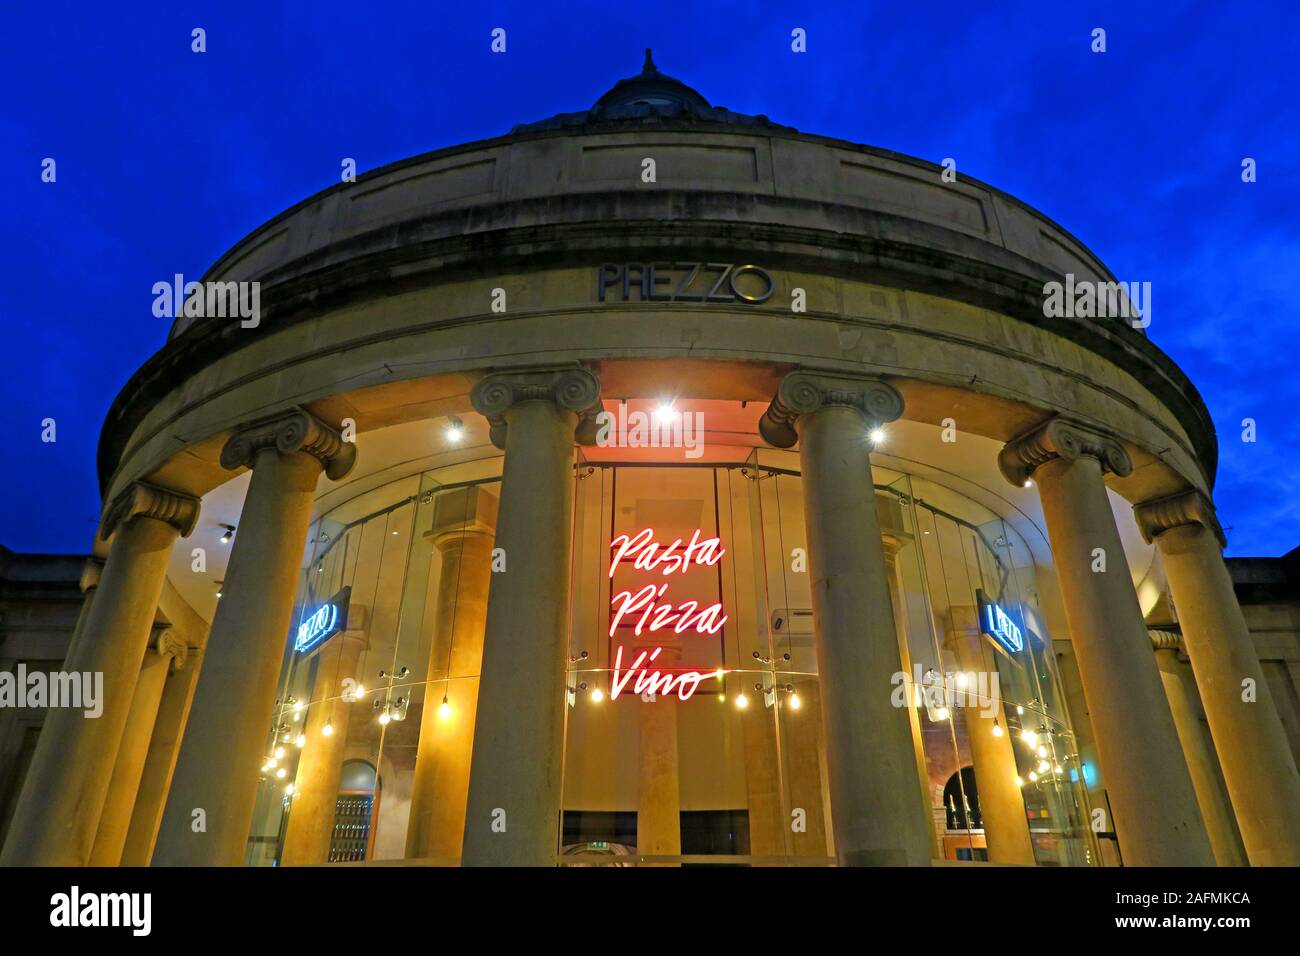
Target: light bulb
<point>301,741</point>
<point>1029,737</point>
<point>795,702</point>
<point>279,753</point>
<point>1057,768</point>
<point>664,413</point>
<point>877,436</point>
<point>1033,776</point>
<point>271,762</point>
<point>742,701</point>
<point>1042,751</point>
<point>327,730</point>
<point>281,773</point>
<point>385,717</point>
<point>997,728</point>
<point>961,679</point>
<point>941,714</point>
<point>1044,766</point>
<point>288,790</point>
<point>1020,781</point>
<point>597,695</point>
<point>1019,709</point>
<point>444,709</point>
<point>359,692</point>
<point>722,698</point>
<point>455,430</point>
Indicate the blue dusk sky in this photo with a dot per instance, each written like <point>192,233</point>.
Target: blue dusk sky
<point>166,158</point>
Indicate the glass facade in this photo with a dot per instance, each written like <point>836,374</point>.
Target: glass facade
<point>693,727</point>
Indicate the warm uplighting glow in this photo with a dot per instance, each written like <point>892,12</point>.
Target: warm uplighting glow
<point>597,695</point>
<point>327,730</point>
<point>795,703</point>
<point>444,709</point>
<point>742,701</point>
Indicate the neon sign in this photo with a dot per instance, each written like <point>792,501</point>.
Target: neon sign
<point>997,624</point>
<point>646,554</point>
<point>326,621</point>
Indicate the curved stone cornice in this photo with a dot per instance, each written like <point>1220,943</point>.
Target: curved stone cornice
<point>1060,438</point>
<point>1165,640</point>
<point>804,392</point>
<point>165,643</point>
<point>295,430</point>
<point>150,501</point>
<point>571,387</point>
<point>1187,507</point>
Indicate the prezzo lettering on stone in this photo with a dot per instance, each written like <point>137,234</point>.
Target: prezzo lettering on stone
<point>686,282</point>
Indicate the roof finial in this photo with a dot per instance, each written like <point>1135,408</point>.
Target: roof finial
<point>649,66</point>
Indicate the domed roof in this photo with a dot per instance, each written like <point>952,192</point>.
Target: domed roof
<point>648,97</point>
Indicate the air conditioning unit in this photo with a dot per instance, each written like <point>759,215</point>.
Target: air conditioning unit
<point>792,622</point>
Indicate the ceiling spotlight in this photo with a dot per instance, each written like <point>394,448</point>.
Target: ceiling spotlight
<point>664,413</point>
<point>877,436</point>
<point>228,533</point>
<point>1029,483</point>
<point>455,430</point>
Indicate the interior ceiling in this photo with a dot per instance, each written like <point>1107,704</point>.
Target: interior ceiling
<point>386,455</point>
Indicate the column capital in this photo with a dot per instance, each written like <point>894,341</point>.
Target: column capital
<point>141,499</point>
<point>164,642</point>
<point>805,391</point>
<point>294,430</point>
<point>1060,438</point>
<point>571,387</point>
<point>1185,508</point>
<point>1165,640</point>
<point>91,572</point>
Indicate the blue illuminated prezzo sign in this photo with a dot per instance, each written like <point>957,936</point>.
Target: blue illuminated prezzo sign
<point>323,623</point>
<point>997,624</point>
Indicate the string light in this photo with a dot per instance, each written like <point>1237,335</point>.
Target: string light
<point>1029,737</point>
<point>301,741</point>
<point>997,728</point>
<point>279,753</point>
<point>795,702</point>
<point>327,730</point>
<point>597,695</point>
<point>941,714</point>
<point>281,773</point>
<point>1042,751</point>
<point>444,709</point>
<point>1020,781</point>
<point>742,701</point>
<point>1033,776</point>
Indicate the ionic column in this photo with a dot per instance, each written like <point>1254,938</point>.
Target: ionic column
<point>163,653</point>
<point>1002,802</point>
<point>58,811</point>
<point>310,828</point>
<point>1198,749</point>
<point>160,762</point>
<point>875,815</point>
<point>464,526</point>
<point>659,800</point>
<point>1151,794</point>
<point>513,811</point>
<point>1258,767</point>
<point>217,772</point>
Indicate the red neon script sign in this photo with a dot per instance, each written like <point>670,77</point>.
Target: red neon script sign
<point>647,554</point>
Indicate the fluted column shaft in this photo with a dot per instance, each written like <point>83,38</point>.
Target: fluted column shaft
<point>1156,813</point>
<point>214,789</point>
<point>115,821</point>
<point>513,810</point>
<point>876,818</point>
<point>1258,768</point>
<point>57,815</point>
